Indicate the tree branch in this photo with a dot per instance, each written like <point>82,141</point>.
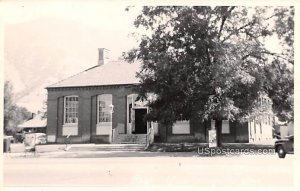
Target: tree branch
<point>276,55</point>
<point>225,16</point>
<point>254,54</point>
<point>242,27</point>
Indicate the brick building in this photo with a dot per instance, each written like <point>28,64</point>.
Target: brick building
<point>99,105</point>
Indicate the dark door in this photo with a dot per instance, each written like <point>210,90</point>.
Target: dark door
<point>140,123</point>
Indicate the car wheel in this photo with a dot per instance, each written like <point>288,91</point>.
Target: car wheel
<point>281,152</point>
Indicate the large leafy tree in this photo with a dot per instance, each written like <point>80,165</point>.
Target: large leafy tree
<point>280,75</point>
<point>212,62</point>
<point>13,114</point>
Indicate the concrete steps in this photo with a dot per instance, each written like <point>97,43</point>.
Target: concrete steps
<point>130,139</point>
<point>108,147</point>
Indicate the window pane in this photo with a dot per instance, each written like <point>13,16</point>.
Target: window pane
<point>104,111</point>
<point>181,127</point>
<point>225,127</point>
<point>71,109</point>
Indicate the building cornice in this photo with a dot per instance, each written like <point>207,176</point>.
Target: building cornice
<point>72,88</point>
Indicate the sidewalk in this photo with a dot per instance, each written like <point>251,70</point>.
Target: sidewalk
<point>193,147</point>
<point>155,150</point>
<point>100,154</point>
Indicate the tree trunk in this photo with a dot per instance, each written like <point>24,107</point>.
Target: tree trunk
<point>218,132</point>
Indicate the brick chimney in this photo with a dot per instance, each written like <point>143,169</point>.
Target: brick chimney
<point>103,56</point>
<point>33,115</point>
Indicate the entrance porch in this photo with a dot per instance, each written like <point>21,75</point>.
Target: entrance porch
<point>137,129</point>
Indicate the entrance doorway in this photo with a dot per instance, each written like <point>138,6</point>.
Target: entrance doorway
<point>140,122</point>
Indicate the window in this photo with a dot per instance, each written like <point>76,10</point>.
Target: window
<point>71,110</point>
<point>212,124</point>
<point>181,126</point>
<point>225,127</point>
<point>104,114</point>
<point>104,108</point>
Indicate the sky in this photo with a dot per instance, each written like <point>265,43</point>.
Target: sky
<point>45,42</point>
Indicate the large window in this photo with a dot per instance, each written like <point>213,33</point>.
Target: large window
<point>181,127</point>
<point>104,114</point>
<point>104,108</point>
<point>71,110</point>
<point>225,127</point>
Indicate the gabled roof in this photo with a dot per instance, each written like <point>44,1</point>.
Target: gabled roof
<point>37,121</point>
<point>111,73</point>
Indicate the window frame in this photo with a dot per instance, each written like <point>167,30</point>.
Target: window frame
<point>225,131</point>
<point>65,109</point>
<point>182,121</point>
<point>98,108</point>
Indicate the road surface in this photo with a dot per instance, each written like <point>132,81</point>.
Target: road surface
<point>160,170</point>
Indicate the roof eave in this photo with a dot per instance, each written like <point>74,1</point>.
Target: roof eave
<point>53,87</point>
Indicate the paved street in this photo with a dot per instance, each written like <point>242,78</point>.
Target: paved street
<point>168,169</point>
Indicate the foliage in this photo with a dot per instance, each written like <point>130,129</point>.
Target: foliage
<point>212,62</point>
<point>13,114</point>
<point>44,110</point>
<point>284,27</point>
<point>282,88</point>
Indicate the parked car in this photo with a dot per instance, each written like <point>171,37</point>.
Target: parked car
<point>284,146</point>
<point>35,138</point>
<point>41,138</point>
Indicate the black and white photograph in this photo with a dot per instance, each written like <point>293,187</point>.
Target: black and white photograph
<point>128,94</point>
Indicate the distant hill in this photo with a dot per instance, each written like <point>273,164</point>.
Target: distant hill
<point>41,52</point>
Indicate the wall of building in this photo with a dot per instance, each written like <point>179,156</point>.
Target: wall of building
<point>260,129</point>
<point>197,133</point>
<point>87,112</point>
<point>238,132</point>
<point>242,133</point>
<point>260,123</point>
<point>87,119</point>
